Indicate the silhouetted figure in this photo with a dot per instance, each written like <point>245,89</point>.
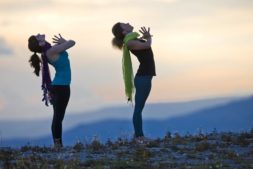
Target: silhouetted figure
<point>57,92</point>
<point>128,40</point>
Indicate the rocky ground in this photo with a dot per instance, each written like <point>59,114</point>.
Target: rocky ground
<point>202,151</point>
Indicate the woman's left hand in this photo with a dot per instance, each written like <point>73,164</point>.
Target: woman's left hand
<point>58,39</point>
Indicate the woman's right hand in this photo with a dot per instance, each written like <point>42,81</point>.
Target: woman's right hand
<point>140,45</point>
<point>58,39</point>
<point>145,33</point>
<point>60,45</point>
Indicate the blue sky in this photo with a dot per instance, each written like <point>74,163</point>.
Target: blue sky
<point>202,49</point>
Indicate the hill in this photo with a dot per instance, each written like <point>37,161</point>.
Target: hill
<point>234,116</point>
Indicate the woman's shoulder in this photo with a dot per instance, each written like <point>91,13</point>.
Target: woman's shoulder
<point>138,44</point>
<point>64,53</point>
<point>55,57</point>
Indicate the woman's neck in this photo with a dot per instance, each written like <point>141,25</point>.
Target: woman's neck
<point>127,33</point>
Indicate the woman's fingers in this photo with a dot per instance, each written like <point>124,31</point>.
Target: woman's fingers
<point>55,42</point>
<point>55,39</point>
<point>144,29</point>
<point>58,39</point>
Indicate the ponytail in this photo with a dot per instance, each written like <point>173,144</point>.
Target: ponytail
<point>35,63</point>
<point>34,46</point>
<point>117,31</point>
<point>117,43</point>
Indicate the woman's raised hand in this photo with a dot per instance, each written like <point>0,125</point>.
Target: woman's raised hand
<point>58,39</point>
<point>145,32</point>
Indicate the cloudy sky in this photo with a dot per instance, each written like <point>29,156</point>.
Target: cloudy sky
<point>202,49</point>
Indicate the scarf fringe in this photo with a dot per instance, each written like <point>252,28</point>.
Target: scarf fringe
<point>46,79</point>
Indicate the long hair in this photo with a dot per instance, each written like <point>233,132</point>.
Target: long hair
<point>34,60</point>
<point>117,31</point>
<point>36,63</point>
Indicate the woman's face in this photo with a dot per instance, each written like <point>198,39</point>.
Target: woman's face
<point>126,27</point>
<point>41,39</point>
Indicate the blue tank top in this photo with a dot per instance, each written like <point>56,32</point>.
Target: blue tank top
<point>62,70</point>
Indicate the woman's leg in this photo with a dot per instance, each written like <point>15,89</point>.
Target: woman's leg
<point>143,87</point>
<point>61,96</point>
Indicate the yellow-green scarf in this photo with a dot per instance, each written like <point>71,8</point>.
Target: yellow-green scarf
<point>127,66</point>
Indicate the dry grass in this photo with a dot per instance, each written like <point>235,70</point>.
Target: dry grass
<point>203,151</point>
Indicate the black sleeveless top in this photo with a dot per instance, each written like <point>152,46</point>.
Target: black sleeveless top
<point>147,63</point>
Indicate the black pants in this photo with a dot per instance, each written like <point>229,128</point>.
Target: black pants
<point>60,94</point>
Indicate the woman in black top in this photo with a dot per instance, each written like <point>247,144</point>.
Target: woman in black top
<point>141,48</point>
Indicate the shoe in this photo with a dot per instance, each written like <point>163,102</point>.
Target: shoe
<point>58,144</point>
<point>142,140</point>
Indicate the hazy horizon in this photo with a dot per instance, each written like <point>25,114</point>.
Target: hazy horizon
<point>235,110</point>
<point>202,49</point>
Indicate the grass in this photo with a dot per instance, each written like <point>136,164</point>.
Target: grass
<point>202,151</point>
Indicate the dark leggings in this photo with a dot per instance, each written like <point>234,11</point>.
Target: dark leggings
<point>60,94</point>
<point>143,87</point>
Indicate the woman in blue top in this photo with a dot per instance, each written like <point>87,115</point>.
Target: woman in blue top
<point>56,92</point>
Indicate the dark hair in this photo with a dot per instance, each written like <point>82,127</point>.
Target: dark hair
<point>117,31</point>
<point>34,60</point>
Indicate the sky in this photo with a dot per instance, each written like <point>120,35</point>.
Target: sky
<point>202,49</point>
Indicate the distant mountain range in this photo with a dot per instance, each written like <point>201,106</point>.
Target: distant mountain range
<point>192,117</point>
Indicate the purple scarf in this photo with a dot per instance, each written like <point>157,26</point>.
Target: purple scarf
<point>46,79</point>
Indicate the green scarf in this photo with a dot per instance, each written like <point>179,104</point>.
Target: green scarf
<point>127,66</point>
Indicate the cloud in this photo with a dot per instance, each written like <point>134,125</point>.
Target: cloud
<point>22,5</point>
<point>4,48</point>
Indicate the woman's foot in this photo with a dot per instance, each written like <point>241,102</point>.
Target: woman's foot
<point>58,144</point>
<point>141,140</point>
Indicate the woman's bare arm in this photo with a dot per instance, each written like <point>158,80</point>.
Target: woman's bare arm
<point>138,45</point>
<point>61,45</point>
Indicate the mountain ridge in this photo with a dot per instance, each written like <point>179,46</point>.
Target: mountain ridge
<point>234,116</point>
